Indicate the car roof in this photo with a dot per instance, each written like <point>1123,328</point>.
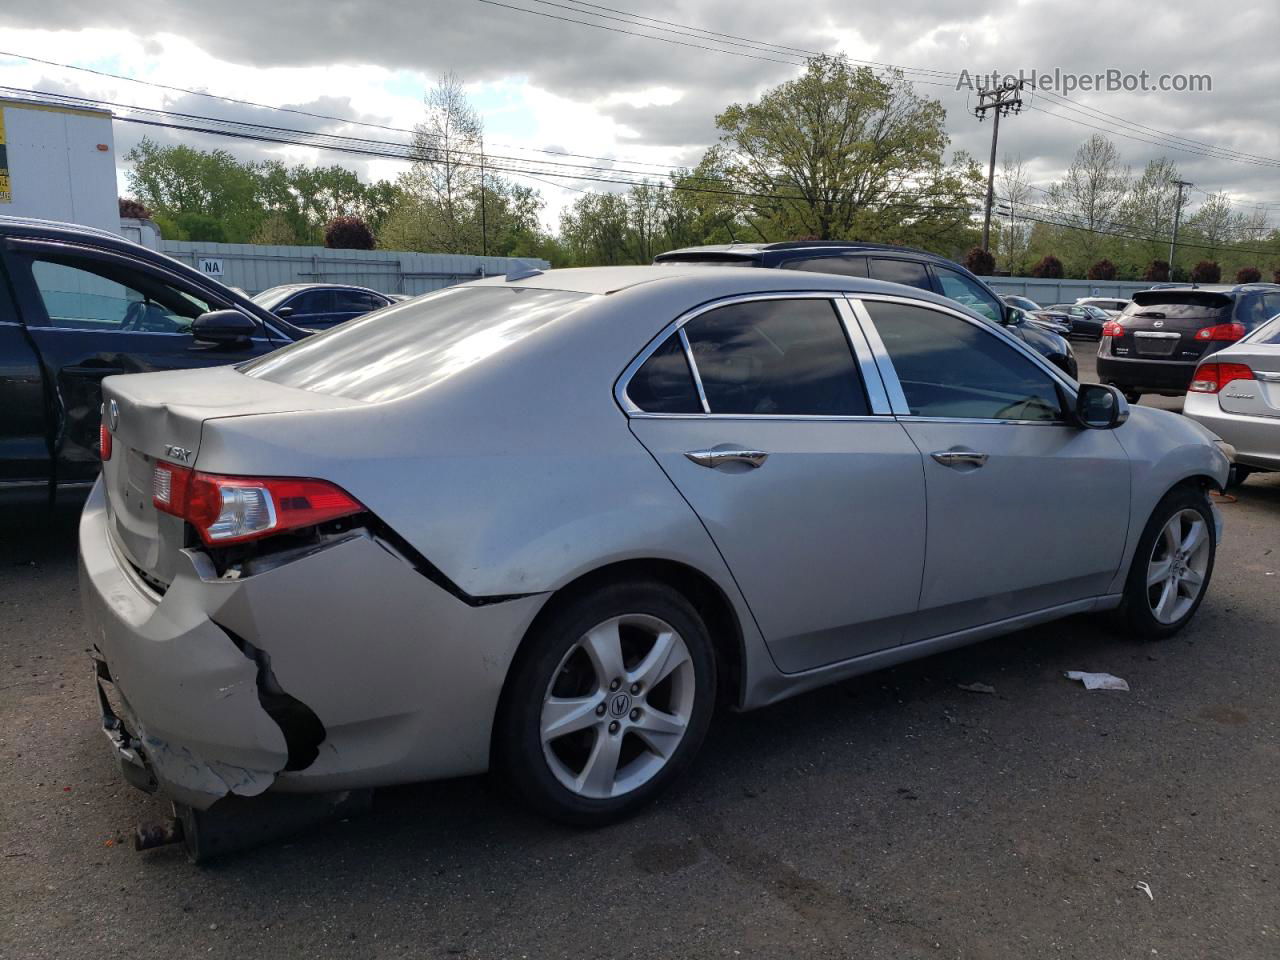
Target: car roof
<point>1215,288</point>
<point>701,282</point>
<point>761,251</point>
<point>320,286</point>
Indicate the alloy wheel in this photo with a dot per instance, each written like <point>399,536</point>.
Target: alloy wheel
<point>1179,566</point>
<point>617,706</point>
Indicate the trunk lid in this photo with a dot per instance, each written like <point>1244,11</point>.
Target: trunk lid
<point>1259,397</point>
<point>1162,325</point>
<point>160,417</point>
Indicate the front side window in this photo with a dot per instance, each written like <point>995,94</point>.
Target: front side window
<point>958,287</point>
<point>101,296</point>
<point>311,302</point>
<point>776,357</point>
<point>949,367</point>
<point>901,271</point>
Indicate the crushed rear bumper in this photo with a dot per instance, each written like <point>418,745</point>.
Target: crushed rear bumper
<point>384,677</point>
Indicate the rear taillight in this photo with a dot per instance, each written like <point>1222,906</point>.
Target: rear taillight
<point>1113,328</point>
<point>1212,377</point>
<point>235,509</point>
<point>1222,331</point>
<point>104,442</point>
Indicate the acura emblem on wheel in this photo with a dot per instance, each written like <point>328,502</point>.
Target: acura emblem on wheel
<point>620,705</point>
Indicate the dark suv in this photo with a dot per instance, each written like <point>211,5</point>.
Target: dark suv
<point>79,304</point>
<point>915,268</point>
<point>1154,346</point>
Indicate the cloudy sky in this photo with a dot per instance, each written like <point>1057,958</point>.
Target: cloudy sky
<point>644,102</point>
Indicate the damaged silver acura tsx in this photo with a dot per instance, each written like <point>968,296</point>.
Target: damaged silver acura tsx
<point>546,524</point>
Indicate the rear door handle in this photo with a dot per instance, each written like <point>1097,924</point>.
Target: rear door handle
<point>718,458</point>
<point>960,458</point>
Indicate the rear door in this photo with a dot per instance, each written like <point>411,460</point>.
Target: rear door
<point>781,440</point>
<point>92,313</point>
<point>311,309</point>
<point>24,424</point>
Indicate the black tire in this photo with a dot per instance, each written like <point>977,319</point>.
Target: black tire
<point>519,758</point>
<point>1136,610</point>
<point>1238,475</point>
<point>1131,395</point>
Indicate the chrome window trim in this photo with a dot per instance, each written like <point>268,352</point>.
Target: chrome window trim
<point>693,370</point>
<point>138,333</point>
<point>899,400</point>
<point>871,378</point>
<point>633,411</point>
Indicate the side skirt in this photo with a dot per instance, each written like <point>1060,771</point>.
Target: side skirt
<point>780,686</point>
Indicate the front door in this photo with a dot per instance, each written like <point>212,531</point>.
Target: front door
<point>92,315</point>
<point>1025,510</point>
<point>815,502</point>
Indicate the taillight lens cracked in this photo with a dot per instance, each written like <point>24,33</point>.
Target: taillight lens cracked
<point>226,509</point>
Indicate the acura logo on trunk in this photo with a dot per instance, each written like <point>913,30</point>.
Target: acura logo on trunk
<point>1158,323</point>
<point>113,415</point>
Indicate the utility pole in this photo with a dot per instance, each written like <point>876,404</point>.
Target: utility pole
<point>1003,100</point>
<point>1177,215</point>
<point>484,227</point>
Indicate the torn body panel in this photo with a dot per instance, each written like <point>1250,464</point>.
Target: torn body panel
<point>234,684</point>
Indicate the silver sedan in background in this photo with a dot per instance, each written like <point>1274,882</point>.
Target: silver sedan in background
<point>1236,394</point>
<point>547,524</point>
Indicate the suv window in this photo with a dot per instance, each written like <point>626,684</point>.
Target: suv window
<point>845,266</point>
<point>958,287</point>
<point>663,384</point>
<point>783,357</point>
<point>901,271</point>
<point>1255,309</point>
<point>355,301</point>
<point>311,302</point>
<point>948,367</point>
<point>87,294</point>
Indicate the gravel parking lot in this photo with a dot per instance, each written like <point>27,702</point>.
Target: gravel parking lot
<point>895,815</point>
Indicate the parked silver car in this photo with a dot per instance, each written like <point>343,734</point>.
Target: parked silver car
<point>1236,394</point>
<point>547,524</point>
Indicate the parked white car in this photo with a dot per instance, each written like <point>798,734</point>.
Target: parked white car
<point>1236,394</point>
<point>1111,306</point>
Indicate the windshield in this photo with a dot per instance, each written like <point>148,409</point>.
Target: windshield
<point>412,345</point>
<point>270,299</point>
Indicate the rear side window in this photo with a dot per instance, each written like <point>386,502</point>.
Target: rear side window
<point>412,345</point>
<point>844,266</point>
<point>663,384</point>
<point>951,368</point>
<point>779,357</point>
<point>901,271</point>
<point>311,302</point>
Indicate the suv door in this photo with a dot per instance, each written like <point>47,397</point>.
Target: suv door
<point>24,435</point>
<point>1025,510</point>
<point>782,443</point>
<point>93,313</point>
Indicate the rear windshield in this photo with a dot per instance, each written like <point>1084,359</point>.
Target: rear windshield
<point>410,346</point>
<point>1180,304</point>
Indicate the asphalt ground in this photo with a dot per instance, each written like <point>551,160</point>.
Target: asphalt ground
<point>895,815</point>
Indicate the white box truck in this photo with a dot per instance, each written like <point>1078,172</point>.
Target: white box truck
<point>58,163</point>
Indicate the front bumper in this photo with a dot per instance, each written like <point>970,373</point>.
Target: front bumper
<point>404,677</point>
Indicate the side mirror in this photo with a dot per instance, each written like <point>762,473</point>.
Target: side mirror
<point>1010,316</point>
<point>1100,406</point>
<point>224,327</point>
<point>284,313</point>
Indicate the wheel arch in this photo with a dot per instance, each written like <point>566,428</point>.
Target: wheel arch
<point>706,596</point>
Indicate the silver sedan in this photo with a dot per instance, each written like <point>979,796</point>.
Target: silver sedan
<point>547,524</point>
<point>1236,394</point>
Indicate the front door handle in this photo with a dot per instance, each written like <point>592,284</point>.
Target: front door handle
<point>718,458</point>
<point>960,458</point>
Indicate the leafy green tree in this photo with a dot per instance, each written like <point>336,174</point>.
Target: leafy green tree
<point>841,153</point>
<point>1087,199</point>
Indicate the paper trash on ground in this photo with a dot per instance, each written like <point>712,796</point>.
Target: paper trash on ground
<point>1097,681</point>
